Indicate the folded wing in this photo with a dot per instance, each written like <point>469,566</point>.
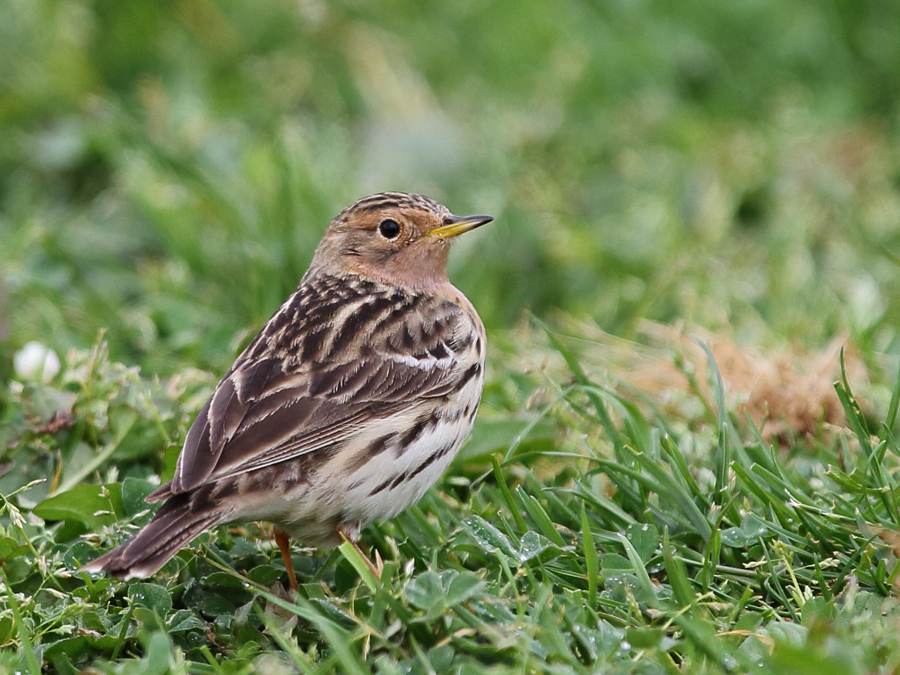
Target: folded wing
<point>332,359</point>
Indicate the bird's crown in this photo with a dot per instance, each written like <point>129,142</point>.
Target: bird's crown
<point>395,200</point>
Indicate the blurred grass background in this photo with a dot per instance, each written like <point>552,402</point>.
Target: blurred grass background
<point>166,169</point>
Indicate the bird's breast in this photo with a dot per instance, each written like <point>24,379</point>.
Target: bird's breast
<point>393,462</point>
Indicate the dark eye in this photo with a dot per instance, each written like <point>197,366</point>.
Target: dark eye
<point>389,228</point>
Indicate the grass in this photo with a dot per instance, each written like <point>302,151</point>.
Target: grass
<point>600,539</point>
<point>165,173</point>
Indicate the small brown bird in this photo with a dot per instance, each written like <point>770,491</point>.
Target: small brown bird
<point>349,404</point>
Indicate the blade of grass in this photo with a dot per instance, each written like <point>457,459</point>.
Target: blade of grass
<point>675,570</point>
<point>362,568</point>
<point>590,558</point>
<point>640,570</point>
<point>891,418</point>
<point>507,495</point>
<point>26,646</point>
<point>723,456</point>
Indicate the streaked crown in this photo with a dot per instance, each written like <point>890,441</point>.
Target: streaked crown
<point>393,200</point>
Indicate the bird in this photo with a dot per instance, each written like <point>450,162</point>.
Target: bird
<point>346,407</point>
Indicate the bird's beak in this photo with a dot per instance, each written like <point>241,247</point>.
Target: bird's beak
<point>455,225</point>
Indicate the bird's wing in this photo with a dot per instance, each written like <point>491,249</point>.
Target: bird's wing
<point>323,368</point>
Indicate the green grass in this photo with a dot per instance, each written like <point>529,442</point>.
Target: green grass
<point>165,173</point>
<point>599,540</point>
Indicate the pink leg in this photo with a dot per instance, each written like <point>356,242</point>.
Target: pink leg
<point>284,543</point>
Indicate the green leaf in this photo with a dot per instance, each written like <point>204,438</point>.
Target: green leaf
<point>215,604</point>
<point>797,661</point>
<point>93,505</point>
<point>79,553</point>
<point>184,620</point>
<point>644,638</point>
<point>10,548</point>
<point>640,571</point>
<point>544,522</point>
<point>425,591</point>
<point>435,593</point>
<point>461,587</point>
<point>222,581</point>
<point>6,628</point>
<point>151,596</point>
<point>645,539</point>
<point>264,574</point>
<point>134,493</point>
<point>734,537</point>
<point>71,646</point>
<point>159,655</point>
<point>533,545</point>
<point>613,563</point>
<point>489,538</point>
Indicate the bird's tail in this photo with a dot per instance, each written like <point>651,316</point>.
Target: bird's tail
<point>178,521</point>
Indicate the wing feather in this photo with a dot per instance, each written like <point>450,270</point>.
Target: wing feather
<point>318,373</point>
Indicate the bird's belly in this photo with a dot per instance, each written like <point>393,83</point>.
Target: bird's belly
<point>397,482</point>
<point>365,482</point>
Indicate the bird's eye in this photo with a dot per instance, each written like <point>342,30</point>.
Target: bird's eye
<point>389,229</point>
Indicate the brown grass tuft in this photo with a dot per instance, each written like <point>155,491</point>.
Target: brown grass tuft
<point>788,393</point>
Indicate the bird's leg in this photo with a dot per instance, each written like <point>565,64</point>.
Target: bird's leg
<point>284,543</point>
<point>346,536</point>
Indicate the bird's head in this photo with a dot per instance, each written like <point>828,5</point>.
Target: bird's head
<point>394,237</point>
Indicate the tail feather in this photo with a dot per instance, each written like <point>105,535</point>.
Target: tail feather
<point>164,491</point>
<point>182,518</point>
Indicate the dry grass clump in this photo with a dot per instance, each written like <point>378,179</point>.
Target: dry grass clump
<point>788,393</point>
